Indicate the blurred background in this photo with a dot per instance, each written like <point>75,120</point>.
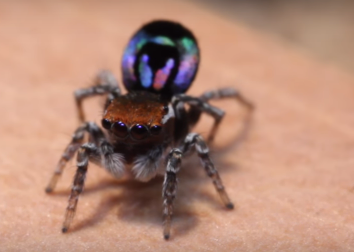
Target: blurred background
<point>324,28</point>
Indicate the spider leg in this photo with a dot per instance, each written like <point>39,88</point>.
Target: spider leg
<point>104,83</point>
<point>86,152</point>
<point>95,135</point>
<point>195,112</point>
<point>170,179</point>
<point>195,140</point>
<point>227,93</point>
<point>200,106</point>
<point>170,189</point>
<point>101,153</point>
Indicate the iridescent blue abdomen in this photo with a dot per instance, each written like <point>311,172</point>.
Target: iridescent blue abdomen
<point>162,57</point>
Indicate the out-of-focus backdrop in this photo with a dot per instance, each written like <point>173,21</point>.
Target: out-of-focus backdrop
<point>325,28</point>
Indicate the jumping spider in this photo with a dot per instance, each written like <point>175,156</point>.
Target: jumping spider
<point>147,130</point>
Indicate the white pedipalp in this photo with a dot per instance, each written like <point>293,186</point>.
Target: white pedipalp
<point>146,167</point>
<point>114,163</point>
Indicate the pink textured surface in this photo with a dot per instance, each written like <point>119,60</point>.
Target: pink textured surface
<point>291,180</point>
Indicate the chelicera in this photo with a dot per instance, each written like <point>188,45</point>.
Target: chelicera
<point>146,132</point>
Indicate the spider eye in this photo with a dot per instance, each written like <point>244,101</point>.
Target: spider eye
<point>119,129</point>
<point>106,123</point>
<point>139,132</point>
<point>155,129</point>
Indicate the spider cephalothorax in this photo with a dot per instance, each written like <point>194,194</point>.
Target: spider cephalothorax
<point>146,131</point>
<point>144,118</point>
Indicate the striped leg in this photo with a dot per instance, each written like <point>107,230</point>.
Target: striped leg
<point>170,189</point>
<point>195,140</point>
<point>198,105</point>
<point>105,83</point>
<point>227,93</point>
<point>87,151</point>
<point>95,134</point>
<point>195,112</point>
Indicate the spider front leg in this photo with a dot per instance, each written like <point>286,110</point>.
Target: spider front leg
<point>195,140</point>
<point>86,152</point>
<point>170,189</point>
<point>95,135</point>
<point>105,83</point>
<point>101,153</point>
<point>170,179</point>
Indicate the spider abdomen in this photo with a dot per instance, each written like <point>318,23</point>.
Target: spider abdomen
<point>161,57</point>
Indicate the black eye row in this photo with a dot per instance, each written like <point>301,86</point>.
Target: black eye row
<point>137,131</point>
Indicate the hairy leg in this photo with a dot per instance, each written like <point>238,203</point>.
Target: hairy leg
<point>194,140</point>
<point>170,189</point>
<point>195,111</point>
<point>226,93</point>
<point>202,106</point>
<point>87,151</point>
<point>95,135</point>
<point>105,83</point>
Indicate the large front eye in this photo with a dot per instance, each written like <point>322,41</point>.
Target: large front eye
<point>139,132</point>
<point>119,129</point>
<point>155,129</point>
<point>106,123</point>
